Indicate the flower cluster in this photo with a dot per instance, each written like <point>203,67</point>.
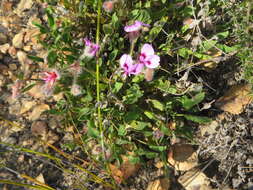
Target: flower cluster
<point>147,57</point>
<point>50,78</point>
<point>90,48</point>
<point>109,5</point>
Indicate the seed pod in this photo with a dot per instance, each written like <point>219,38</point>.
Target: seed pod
<point>149,74</point>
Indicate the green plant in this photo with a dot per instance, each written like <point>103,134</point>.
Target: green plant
<point>128,115</point>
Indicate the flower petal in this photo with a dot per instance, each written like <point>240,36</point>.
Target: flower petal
<point>152,61</point>
<point>136,69</point>
<point>147,49</point>
<point>134,27</point>
<point>125,60</point>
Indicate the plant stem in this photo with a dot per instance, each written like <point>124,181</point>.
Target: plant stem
<point>97,78</point>
<point>132,46</point>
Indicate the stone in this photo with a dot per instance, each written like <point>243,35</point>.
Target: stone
<point>235,99</point>
<point>194,179</point>
<point>4,48</point>
<point>12,51</point>
<point>39,128</point>
<point>23,5</point>
<point>3,38</point>
<point>182,157</point>
<point>37,111</point>
<point>159,184</point>
<point>27,48</point>
<point>13,66</point>
<point>32,19</point>
<point>17,41</point>
<point>2,80</point>
<point>14,109</point>
<point>40,178</point>
<point>36,92</point>
<point>3,69</point>
<point>52,137</point>
<point>22,57</point>
<point>26,106</point>
<point>6,6</point>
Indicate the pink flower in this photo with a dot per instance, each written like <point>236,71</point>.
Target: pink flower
<point>126,63</point>
<point>148,57</point>
<point>108,6</point>
<point>90,48</point>
<point>50,78</point>
<point>134,29</point>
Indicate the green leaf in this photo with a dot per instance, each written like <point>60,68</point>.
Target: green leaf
<point>115,21</point>
<point>122,141</point>
<point>158,148</point>
<point>83,111</point>
<point>134,159</point>
<point>184,52</point>
<point>223,35</point>
<point>208,44</point>
<point>188,103</point>
<point>146,153</point>
<point>51,21</point>
<point>35,58</point>
<point>117,87</point>
<point>92,131</point>
<point>113,55</point>
<point>28,87</point>
<point>52,58</point>
<point>107,28</point>
<point>149,114</point>
<point>122,130</point>
<point>141,15</point>
<point>139,126</point>
<point>147,133</point>
<point>227,49</point>
<point>158,105</point>
<point>197,119</point>
<point>43,29</point>
<point>133,94</point>
<point>70,146</point>
<point>133,115</point>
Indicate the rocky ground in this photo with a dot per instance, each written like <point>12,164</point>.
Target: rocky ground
<point>224,148</point>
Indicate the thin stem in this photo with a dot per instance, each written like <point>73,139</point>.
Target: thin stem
<point>132,46</point>
<point>98,76</point>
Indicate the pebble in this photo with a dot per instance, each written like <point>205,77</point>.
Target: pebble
<point>2,80</point>
<point>4,48</point>
<point>12,51</point>
<point>27,48</point>
<point>39,128</point>
<point>3,38</point>
<point>26,106</point>
<point>36,92</point>
<point>37,111</point>
<point>9,140</point>
<point>23,5</point>
<point>22,57</point>
<point>3,69</point>
<point>13,66</point>
<point>17,41</point>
